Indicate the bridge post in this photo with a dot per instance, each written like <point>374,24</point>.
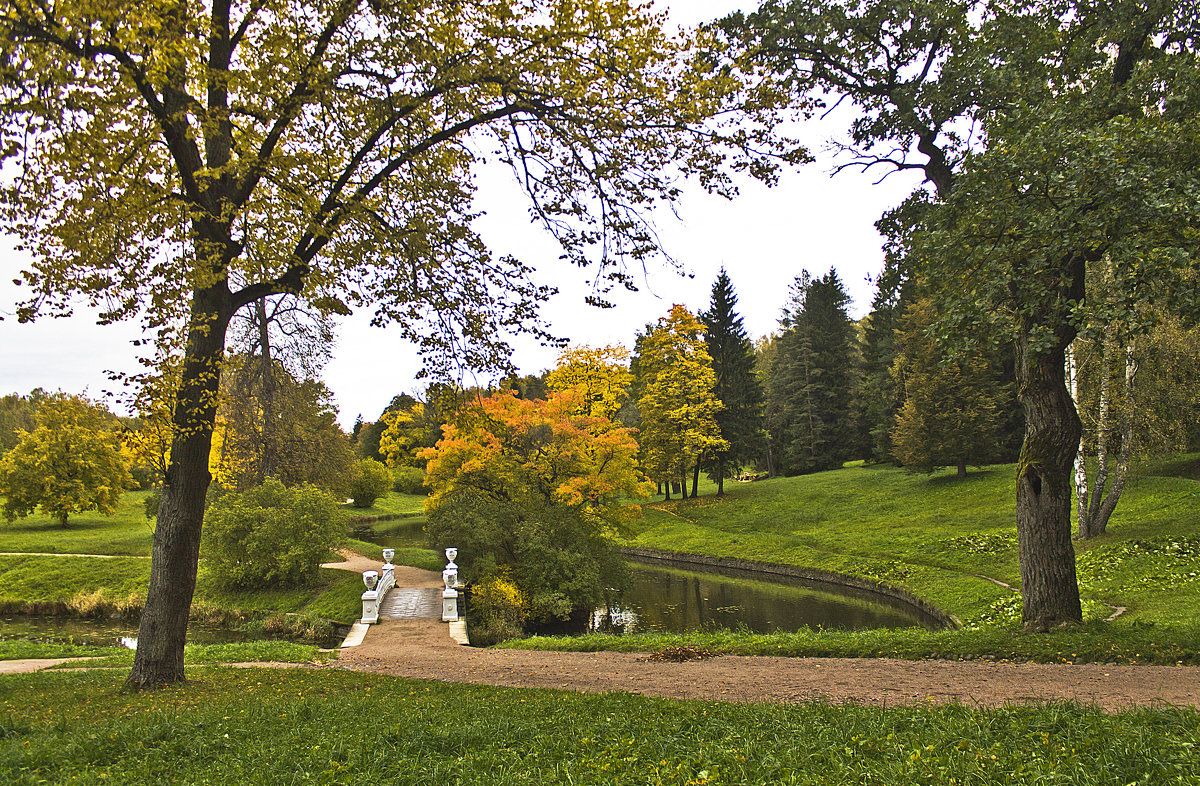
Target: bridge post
<point>450,593</point>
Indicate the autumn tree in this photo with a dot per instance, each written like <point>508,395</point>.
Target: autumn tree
<point>182,161</point>
<point>530,489</point>
<point>740,418</point>
<point>601,374</point>
<point>1082,146</point>
<point>678,406</point>
<point>71,462</point>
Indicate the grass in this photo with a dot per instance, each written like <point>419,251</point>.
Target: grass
<point>937,536</point>
<point>1093,642</point>
<point>127,532</point>
<point>392,505</point>
<point>257,726</point>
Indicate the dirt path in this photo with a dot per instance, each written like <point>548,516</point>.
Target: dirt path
<point>422,649</point>
<point>406,576</point>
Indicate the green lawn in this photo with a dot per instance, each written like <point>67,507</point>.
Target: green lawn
<point>259,726</point>
<point>127,532</point>
<point>936,536</point>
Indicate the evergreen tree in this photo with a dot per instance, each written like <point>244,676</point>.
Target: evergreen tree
<point>880,395</point>
<point>954,407</point>
<point>811,383</point>
<point>737,387</point>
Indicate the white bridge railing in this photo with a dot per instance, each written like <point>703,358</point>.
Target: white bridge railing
<point>379,582</point>
<point>377,587</point>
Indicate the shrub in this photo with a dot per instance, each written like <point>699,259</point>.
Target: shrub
<point>271,535</point>
<point>409,480</point>
<point>497,611</point>
<point>369,480</point>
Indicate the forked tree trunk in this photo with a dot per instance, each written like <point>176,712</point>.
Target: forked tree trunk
<point>162,634</point>
<point>1049,586</point>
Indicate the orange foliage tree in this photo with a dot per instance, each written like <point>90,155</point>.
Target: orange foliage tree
<point>529,490</point>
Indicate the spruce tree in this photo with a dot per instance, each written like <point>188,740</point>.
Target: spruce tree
<point>880,394</point>
<point>737,388</point>
<point>811,385</point>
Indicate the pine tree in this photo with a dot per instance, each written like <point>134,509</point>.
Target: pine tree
<point>811,382</point>
<point>737,387</point>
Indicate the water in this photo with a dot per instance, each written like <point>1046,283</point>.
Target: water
<point>105,633</point>
<point>675,600</point>
<point>397,535</point>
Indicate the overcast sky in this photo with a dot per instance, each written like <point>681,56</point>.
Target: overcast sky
<point>764,239</point>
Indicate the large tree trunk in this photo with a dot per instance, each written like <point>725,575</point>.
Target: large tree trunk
<point>1049,587</point>
<point>163,632</point>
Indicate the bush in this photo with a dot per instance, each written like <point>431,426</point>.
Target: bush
<point>409,480</point>
<point>369,480</point>
<point>559,559</point>
<point>497,611</point>
<point>271,535</point>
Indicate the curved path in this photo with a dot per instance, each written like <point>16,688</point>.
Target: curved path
<point>422,648</point>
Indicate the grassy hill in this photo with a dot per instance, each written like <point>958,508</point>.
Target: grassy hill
<point>950,540</point>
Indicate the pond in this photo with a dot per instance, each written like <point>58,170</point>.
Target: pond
<point>396,534</point>
<point>105,633</point>
<point>679,600</point>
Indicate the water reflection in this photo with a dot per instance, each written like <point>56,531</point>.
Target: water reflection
<point>106,633</point>
<point>672,600</point>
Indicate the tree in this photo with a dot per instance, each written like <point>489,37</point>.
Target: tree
<point>600,374</point>
<point>17,414</point>
<point>1085,148</point>
<point>1134,397</point>
<point>369,480</point>
<point>295,437</point>
<point>740,418</point>
<point>187,160</point>
<point>530,488</point>
<point>70,463</point>
<point>880,395</point>
<point>677,403</point>
<point>271,535</point>
<point>370,435</point>
<point>270,385</point>
<point>810,389</point>
<point>953,406</point>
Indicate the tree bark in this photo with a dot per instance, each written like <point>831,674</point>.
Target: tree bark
<point>696,480</point>
<point>962,467</point>
<point>162,634</point>
<point>1049,586</point>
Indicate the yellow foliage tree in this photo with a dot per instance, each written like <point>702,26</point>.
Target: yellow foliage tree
<point>678,403</point>
<point>72,462</point>
<point>601,374</point>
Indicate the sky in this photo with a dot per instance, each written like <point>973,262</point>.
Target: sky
<point>763,238</point>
